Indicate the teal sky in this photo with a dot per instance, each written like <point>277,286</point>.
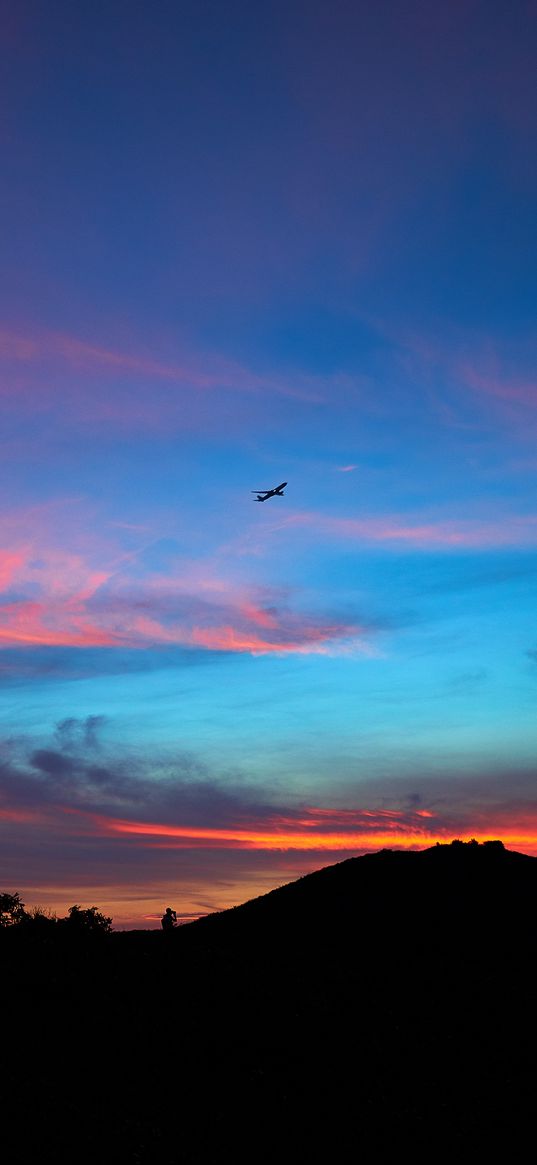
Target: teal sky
<point>244,244</point>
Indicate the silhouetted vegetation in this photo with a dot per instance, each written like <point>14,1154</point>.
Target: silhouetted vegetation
<point>87,921</point>
<point>11,909</point>
<point>78,921</point>
<point>381,1005</point>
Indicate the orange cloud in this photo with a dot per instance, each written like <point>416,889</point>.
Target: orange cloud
<point>314,641</point>
<point>35,623</point>
<point>283,846</point>
<point>387,829</point>
<point>81,600</point>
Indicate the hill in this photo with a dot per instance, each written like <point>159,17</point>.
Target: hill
<point>388,1000</point>
<point>394,884</point>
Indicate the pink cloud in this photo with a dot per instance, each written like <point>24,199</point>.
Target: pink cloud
<point>31,623</point>
<point>309,640</point>
<point>397,530</point>
<point>43,347</point>
<point>18,816</point>
<point>10,563</point>
<point>470,360</point>
<point>510,389</point>
<point>199,374</point>
<point>97,596</point>
<point>259,616</point>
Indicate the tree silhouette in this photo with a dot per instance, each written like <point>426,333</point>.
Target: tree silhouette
<point>79,920</point>
<point>87,921</point>
<point>11,910</point>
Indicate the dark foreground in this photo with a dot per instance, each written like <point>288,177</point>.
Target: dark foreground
<point>381,1008</point>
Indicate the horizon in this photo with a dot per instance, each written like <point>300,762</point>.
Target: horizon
<point>251,244</point>
<point>183,919</point>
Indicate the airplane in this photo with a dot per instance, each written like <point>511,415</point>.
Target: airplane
<point>263,494</point>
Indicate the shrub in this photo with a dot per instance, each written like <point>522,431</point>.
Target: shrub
<point>87,921</point>
<point>40,918</point>
<point>12,910</point>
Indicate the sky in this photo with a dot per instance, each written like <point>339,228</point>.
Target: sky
<point>242,244</point>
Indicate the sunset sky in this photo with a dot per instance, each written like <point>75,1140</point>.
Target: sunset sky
<point>244,243</point>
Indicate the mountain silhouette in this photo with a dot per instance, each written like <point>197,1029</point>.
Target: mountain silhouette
<point>390,886</point>
<point>384,1005</point>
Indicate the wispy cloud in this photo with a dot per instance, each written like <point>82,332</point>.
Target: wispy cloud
<point>115,620</point>
<point>10,563</point>
<point>96,593</point>
<point>83,372</point>
<point>460,368</point>
<point>504,387</point>
<point>310,830</point>
<point>117,819</point>
<point>416,533</point>
<point>88,791</point>
<point>97,596</point>
<point>76,768</point>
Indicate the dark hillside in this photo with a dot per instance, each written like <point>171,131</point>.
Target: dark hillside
<point>382,1004</point>
<point>390,884</point>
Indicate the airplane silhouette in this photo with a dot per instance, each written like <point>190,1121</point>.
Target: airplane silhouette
<point>263,494</point>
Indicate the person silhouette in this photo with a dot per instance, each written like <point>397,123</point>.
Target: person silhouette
<point>169,919</point>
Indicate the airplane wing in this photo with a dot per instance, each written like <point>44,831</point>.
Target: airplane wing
<point>260,491</point>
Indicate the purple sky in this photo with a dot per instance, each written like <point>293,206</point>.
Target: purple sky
<point>243,244</point>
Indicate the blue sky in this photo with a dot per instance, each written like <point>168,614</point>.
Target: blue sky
<point>245,244</point>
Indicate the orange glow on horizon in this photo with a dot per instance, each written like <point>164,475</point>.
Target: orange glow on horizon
<point>402,836</point>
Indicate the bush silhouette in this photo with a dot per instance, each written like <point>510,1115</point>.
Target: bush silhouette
<point>39,918</point>
<point>12,910</point>
<point>79,921</point>
<point>87,921</point>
